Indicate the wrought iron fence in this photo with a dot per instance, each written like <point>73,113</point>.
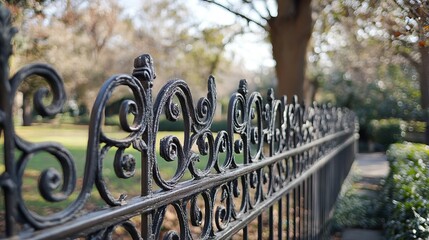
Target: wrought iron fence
<point>274,173</point>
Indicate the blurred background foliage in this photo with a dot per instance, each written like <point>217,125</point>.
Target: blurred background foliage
<point>363,54</point>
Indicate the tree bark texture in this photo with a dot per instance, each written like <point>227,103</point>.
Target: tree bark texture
<point>424,86</point>
<point>290,33</point>
<point>27,118</point>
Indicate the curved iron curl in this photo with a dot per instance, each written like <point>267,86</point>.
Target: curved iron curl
<point>314,118</point>
<point>306,125</point>
<point>284,138</point>
<point>236,113</point>
<point>255,183</point>
<point>236,124</point>
<point>268,119</point>
<point>223,213</point>
<point>135,107</point>
<point>243,194</point>
<point>271,132</point>
<point>237,120</point>
<point>170,150</point>
<point>157,219</point>
<point>307,136</point>
<point>292,111</point>
<point>206,107</point>
<point>325,119</point>
<point>256,133</point>
<point>278,142</point>
<point>124,167</point>
<point>50,179</point>
<point>180,208</point>
<point>197,123</point>
<point>55,82</point>
<point>277,124</point>
<point>197,216</point>
<point>107,233</point>
<point>313,133</point>
<point>104,192</point>
<point>65,157</point>
<point>299,124</point>
<point>273,121</point>
<point>294,131</point>
<point>124,164</point>
<point>263,113</point>
<point>222,145</point>
<point>303,136</point>
<point>206,146</point>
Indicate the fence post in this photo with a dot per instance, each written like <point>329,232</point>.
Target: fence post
<point>144,71</point>
<point>8,177</point>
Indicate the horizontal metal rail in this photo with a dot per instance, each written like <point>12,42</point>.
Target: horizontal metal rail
<point>140,205</point>
<point>287,188</point>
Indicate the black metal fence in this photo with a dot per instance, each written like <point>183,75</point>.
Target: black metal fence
<point>274,173</point>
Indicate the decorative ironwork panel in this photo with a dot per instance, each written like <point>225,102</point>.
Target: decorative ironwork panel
<point>275,172</point>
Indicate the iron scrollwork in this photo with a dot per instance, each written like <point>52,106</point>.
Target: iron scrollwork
<point>268,144</point>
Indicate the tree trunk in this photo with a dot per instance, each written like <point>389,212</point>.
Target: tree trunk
<point>290,32</point>
<point>27,118</point>
<point>424,86</point>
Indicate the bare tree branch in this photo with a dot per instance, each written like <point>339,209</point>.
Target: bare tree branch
<point>409,58</point>
<point>215,63</point>
<point>237,13</point>
<point>267,8</point>
<point>408,8</point>
<point>252,6</point>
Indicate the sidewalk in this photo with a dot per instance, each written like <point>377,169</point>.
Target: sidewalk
<point>372,167</point>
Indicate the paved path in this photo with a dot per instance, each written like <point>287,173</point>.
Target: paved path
<point>361,234</point>
<point>372,167</point>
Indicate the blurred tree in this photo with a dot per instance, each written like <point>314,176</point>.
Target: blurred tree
<point>86,44</point>
<point>409,28</point>
<point>25,14</point>
<point>354,63</point>
<point>182,47</point>
<point>88,41</point>
<point>85,41</point>
<point>19,8</point>
<point>289,25</point>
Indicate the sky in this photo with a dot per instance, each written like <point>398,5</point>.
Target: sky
<point>249,49</point>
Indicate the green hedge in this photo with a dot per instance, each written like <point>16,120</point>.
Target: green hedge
<point>416,126</point>
<point>407,192</point>
<point>387,131</point>
<point>164,124</point>
<point>415,132</point>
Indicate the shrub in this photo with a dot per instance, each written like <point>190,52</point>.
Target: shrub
<point>356,210</point>
<point>82,120</point>
<point>166,125</point>
<point>415,132</point>
<point>416,126</point>
<point>387,131</point>
<point>407,192</point>
<point>112,120</point>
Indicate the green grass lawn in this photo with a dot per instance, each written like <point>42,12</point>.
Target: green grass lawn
<point>74,138</point>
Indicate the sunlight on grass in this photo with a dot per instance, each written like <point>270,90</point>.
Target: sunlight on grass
<point>74,138</point>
